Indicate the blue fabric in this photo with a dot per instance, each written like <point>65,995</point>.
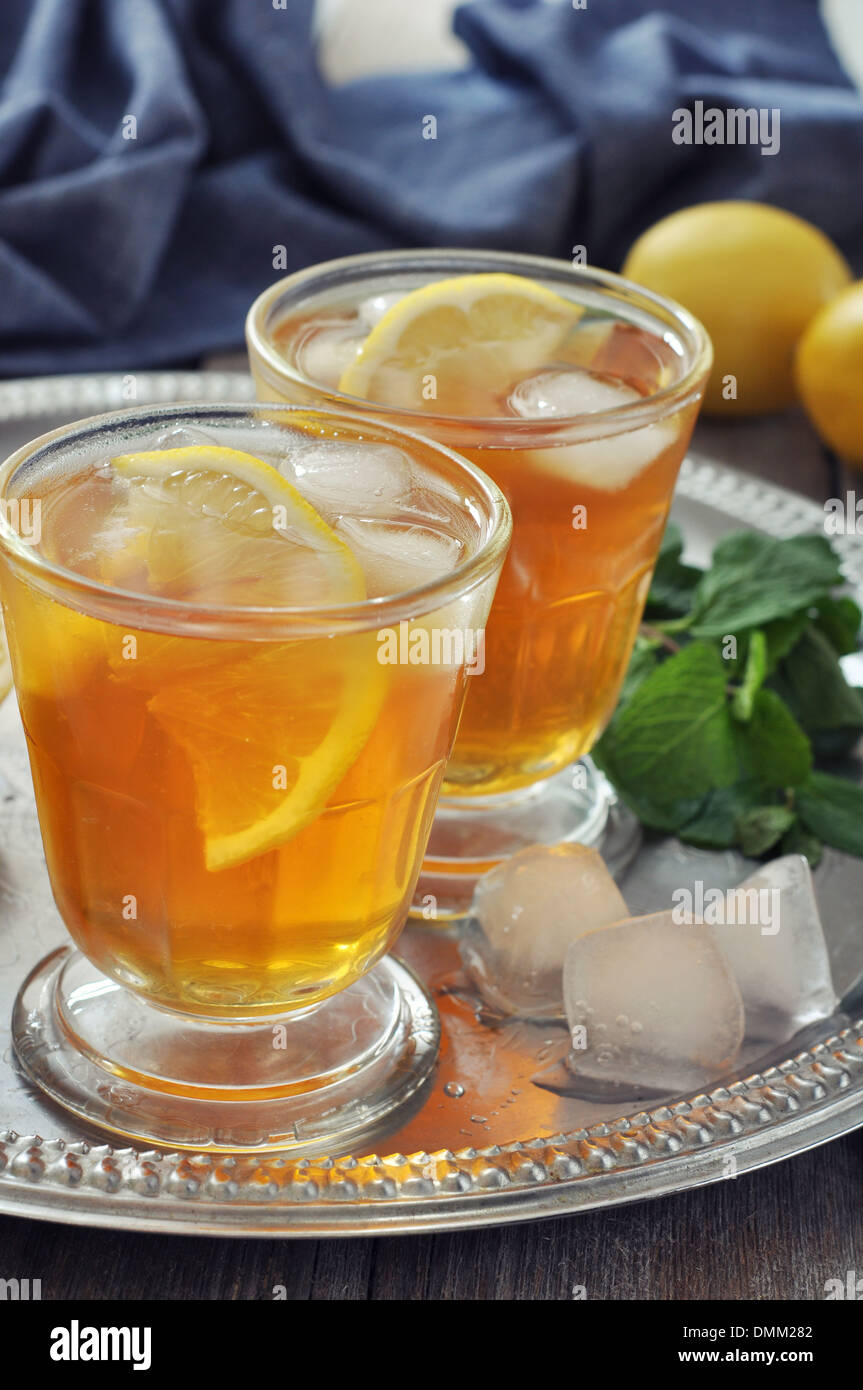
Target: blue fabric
<point>120,252</point>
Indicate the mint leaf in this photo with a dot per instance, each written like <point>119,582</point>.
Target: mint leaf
<point>839,620</point>
<point>832,809</point>
<point>669,818</point>
<point>753,676</point>
<point>644,659</point>
<point>754,579</point>
<point>811,682</point>
<point>715,825</point>
<point>673,583</point>
<point>711,748</point>
<point>799,840</point>
<point>773,747</point>
<point>759,830</point>
<point>674,739</point>
<point>782,634</point>
<point>671,545</point>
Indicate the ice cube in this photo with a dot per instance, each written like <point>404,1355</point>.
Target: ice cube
<point>327,349</point>
<point>609,463</point>
<point>186,437</point>
<point>652,1005</point>
<point>773,941</point>
<point>372,310</point>
<point>568,391</point>
<point>399,557</point>
<point>622,350</point>
<point>526,912</point>
<point>348,478</point>
<point>628,351</point>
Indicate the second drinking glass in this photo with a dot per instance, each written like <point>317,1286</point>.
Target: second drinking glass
<point>576,391</point>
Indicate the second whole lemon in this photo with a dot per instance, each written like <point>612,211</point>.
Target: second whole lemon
<point>829,371</point>
<point>755,275</point>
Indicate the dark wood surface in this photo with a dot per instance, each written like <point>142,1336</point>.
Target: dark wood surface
<point>776,1234</point>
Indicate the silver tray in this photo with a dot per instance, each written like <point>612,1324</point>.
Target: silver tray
<point>486,1143</point>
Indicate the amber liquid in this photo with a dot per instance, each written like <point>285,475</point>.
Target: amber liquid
<point>136,735</point>
<point>574,584</point>
<point>564,620</point>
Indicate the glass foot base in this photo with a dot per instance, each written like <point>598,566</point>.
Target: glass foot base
<point>316,1079</point>
<point>473,833</point>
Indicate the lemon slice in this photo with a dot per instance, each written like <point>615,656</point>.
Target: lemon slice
<point>216,525</point>
<point>269,728</point>
<point>458,346</point>
<point>270,735</point>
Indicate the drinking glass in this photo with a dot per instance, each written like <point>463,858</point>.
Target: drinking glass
<point>589,487</point>
<point>235,796</point>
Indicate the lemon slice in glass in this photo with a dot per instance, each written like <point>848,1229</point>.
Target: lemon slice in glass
<point>219,526</point>
<point>269,727</point>
<point>458,346</point>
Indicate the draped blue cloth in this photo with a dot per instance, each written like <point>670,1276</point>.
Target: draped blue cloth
<point>154,152</point>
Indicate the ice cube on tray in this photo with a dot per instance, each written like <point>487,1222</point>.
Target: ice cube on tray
<point>652,1005</point>
<point>526,912</point>
<point>773,941</point>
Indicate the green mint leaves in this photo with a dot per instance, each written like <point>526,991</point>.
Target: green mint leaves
<point>754,579</point>
<point>675,735</point>
<point>734,692</point>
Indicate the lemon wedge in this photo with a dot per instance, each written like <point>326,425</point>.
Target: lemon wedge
<point>269,728</point>
<point>458,346</point>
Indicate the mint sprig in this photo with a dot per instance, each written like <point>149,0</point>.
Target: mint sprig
<point>718,740</point>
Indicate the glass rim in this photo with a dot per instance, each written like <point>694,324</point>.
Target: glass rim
<point>317,620</point>
<point>628,416</point>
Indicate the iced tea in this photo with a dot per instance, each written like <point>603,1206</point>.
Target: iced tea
<point>585,443</point>
<point>235,785</point>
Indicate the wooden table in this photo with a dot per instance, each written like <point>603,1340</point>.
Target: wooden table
<point>776,1234</point>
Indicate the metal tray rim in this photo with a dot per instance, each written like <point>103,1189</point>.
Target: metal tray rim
<point>808,1097</point>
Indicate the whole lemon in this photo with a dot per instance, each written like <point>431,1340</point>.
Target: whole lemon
<point>828,370</point>
<point>755,276</point>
